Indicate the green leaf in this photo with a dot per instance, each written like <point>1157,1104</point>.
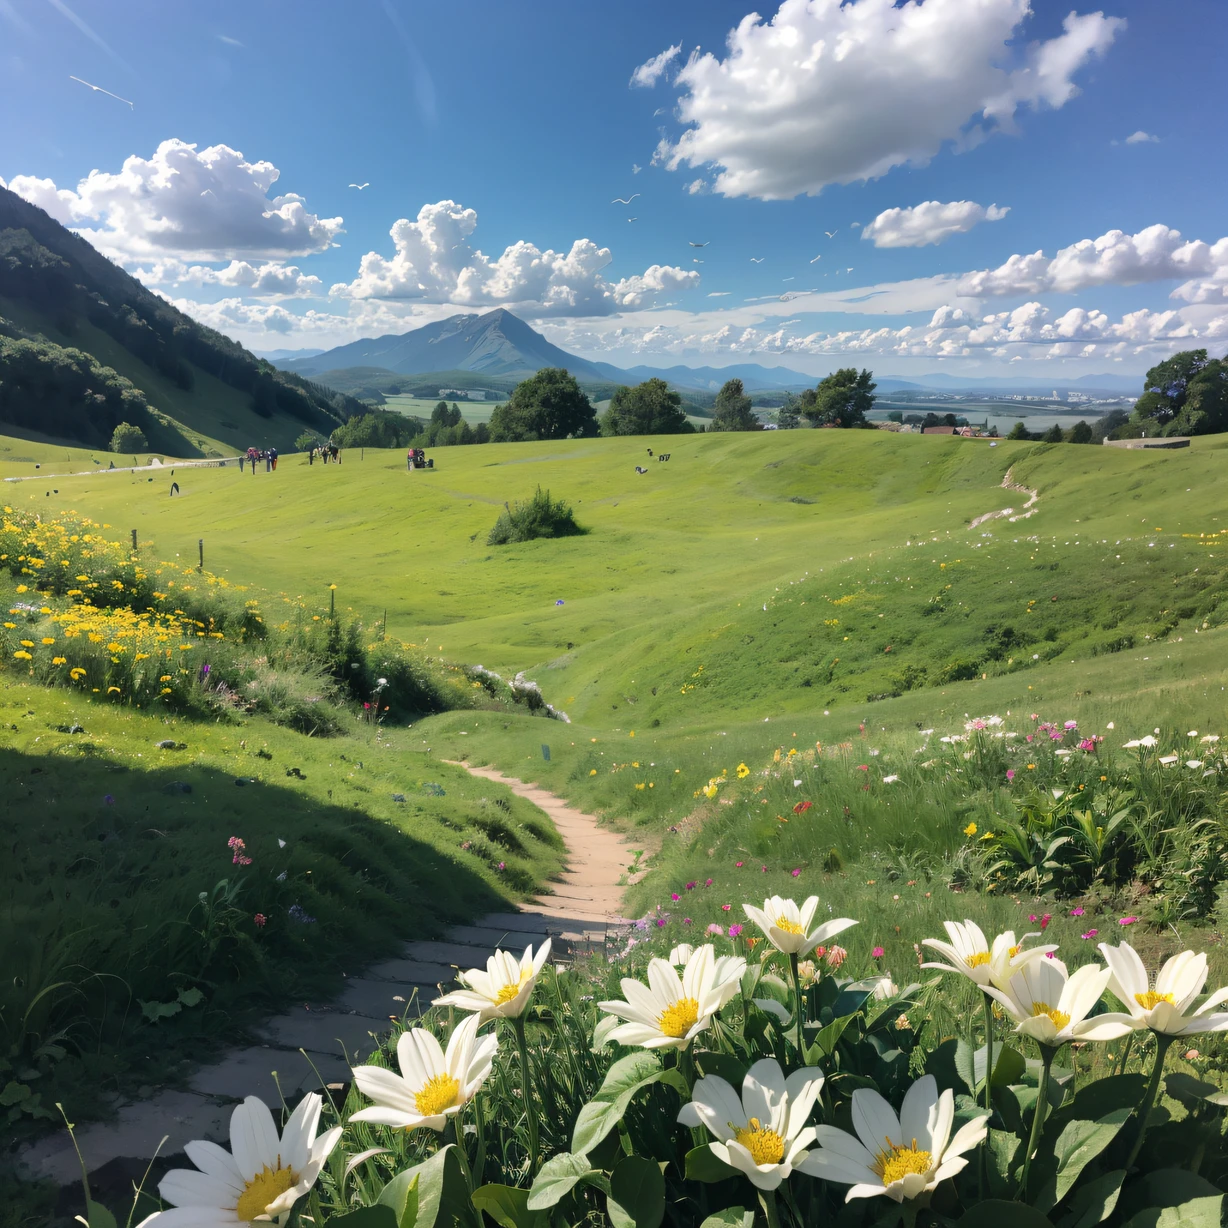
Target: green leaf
<point>724,1066</point>
<point>1008,1067</point>
<point>98,1215</point>
<point>1077,1145</point>
<point>637,1194</point>
<point>1101,1096</point>
<point>730,1217</point>
<point>941,1064</point>
<point>556,1178</point>
<point>965,1064</point>
<point>365,1217</point>
<point>1095,1202</point>
<point>829,1037</point>
<point>1167,1187</point>
<point>1197,1213</point>
<point>998,1213</point>
<point>153,1011</point>
<point>607,1108</point>
<point>191,997</point>
<point>440,1189</point>
<point>1189,1091</point>
<point>14,1093</point>
<point>702,1164</point>
<point>508,1207</point>
<point>1003,1147</point>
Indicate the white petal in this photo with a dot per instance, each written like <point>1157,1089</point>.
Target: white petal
<point>253,1137</point>
<point>385,1087</point>
<point>299,1133</point>
<point>187,1188</point>
<point>919,1115</point>
<point>874,1120</point>
<point>217,1162</point>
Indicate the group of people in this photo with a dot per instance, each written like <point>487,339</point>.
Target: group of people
<point>254,456</point>
<point>326,452</point>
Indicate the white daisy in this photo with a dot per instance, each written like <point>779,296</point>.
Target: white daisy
<point>433,1085</point>
<point>969,952</point>
<point>679,955</point>
<point>788,928</point>
<point>763,1132</point>
<point>504,989</point>
<point>901,1157</point>
<point>1051,1005</point>
<point>262,1176</point>
<point>670,1011</point>
<point>1164,1009</point>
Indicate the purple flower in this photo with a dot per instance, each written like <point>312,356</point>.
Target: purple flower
<point>691,886</point>
<point>642,923</point>
<point>686,921</point>
<point>109,800</point>
<point>795,873</point>
<point>297,913</point>
<point>661,922</point>
<point>735,931</point>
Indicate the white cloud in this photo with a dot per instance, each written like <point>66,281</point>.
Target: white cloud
<point>206,204</point>
<point>1156,253</point>
<point>929,222</point>
<point>1140,137</point>
<point>434,263</point>
<point>830,92</point>
<point>270,278</point>
<point>696,187</point>
<point>651,71</point>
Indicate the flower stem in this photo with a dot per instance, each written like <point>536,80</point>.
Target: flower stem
<point>1047,1054</point>
<point>1153,1085</point>
<point>458,1137</point>
<point>797,991</point>
<point>984,1175</point>
<point>767,1198</point>
<point>1125,1054</point>
<point>530,1109</point>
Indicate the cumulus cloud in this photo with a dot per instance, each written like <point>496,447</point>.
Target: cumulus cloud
<point>270,278</point>
<point>830,92</point>
<point>1157,253</point>
<point>1140,137</point>
<point>651,71</point>
<point>186,203</point>
<point>434,262</point>
<point>929,222</point>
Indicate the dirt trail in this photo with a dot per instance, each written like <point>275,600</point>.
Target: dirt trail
<point>1009,513</point>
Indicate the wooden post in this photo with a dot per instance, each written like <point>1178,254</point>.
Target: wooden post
<point>133,539</point>
<point>385,634</point>
<point>332,600</point>
<point>200,545</point>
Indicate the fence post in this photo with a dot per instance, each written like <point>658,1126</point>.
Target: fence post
<point>200,545</point>
<point>134,539</point>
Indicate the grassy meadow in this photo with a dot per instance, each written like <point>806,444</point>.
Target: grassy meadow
<point>472,412</point>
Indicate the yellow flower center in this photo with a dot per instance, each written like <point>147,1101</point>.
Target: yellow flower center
<point>262,1189</point>
<point>439,1092</point>
<point>765,1145</point>
<point>512,988</point>
<point>977,959</point>
<point>789,927</point>
<point>1011,952</point>
<point>679,1017</point>
<point>894,1163</point>
<point>1060,1018</point>
<point>1149,1001</point>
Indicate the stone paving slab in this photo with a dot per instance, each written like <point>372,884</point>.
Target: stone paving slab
<point>584,901</point>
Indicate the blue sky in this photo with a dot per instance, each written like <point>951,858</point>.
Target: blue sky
<point>494,138</point>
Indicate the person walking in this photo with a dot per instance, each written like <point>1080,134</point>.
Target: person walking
<point>241,459</point>
<point>273,457</point>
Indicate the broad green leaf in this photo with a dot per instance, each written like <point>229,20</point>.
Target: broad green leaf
<point>998,1213</point>
<point>439,1186</point>
<point>1008,1066</point>
<point>98,1215</point>
<point>829,1037</point>
<point>724,1066</point>
<point>1168,1187</point>
<point>556,1178</point>
<point>191,997</point>
<point>1189,1090</point>
<point>1094,1202</point>
<point>1197,1213</point>
<point>508,1207</point>
<point>965,1064</point>
<point>365,1217</point>
<point>849,1002</point>
<point>1100,1097</point>
<point>1077,1145</point>
<point>941,1064</point>
<point>702,1164</point>
<point>1003,1147</point>
<point>606,1109</point>
<point>637,1194</point>
<point>731,1217</point>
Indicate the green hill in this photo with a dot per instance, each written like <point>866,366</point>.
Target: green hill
<point>192,390</point>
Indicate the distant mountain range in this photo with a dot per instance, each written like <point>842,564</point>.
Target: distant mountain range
<point>500,345</point>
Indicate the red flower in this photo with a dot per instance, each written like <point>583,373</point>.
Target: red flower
<point>802,807</point>
<point>260,919</point>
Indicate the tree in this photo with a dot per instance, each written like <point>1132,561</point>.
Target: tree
<point>548,405</point>
<point>440,413</point>
<point>1019,431</point>
<point>650,408</point>
<point>1106,425</point>
<point>306,441</point>
<point>128,438</point>
<point>732,410</point>
<point>788,418</point>
<point>1186,394</point>
<point>843,399</point>
<point>1052,435</point>
<point>1081,433</point>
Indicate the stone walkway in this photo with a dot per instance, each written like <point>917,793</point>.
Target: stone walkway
<point>313,1044</point>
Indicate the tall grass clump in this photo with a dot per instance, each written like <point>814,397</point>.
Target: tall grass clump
<point>527,520</point>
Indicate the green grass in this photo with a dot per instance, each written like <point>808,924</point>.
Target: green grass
<point>109,854</point>
<point>472,412</point>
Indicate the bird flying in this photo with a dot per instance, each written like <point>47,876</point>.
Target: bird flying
<point>756,260</point>
<point>618,200</point>
<point>99,90</point>
<point>360,186</point>
<point>700,244</point>
<point>831,234</point>
<point>633,219</point>
<point>816,258</point>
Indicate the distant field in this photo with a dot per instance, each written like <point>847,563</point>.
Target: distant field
<point>473,412</point>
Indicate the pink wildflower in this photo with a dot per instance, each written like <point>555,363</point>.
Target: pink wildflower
<point>661,922</point>
<point>836,956</point>
<point>863,767</point>
<point>1126,920</point>
<point>726,907</point>
<point>795,873</point>
<point>1076,912</point>
<point>260,920</point>
<point>735,931</point>
<point>715,929</point>
<point>686,920</point>
<point>673,895</point>
<point>707,882</point>
<point>691,886</point>
<point>1010,773</point>
<point>1072,724</point>
<point>877,953</point>
<point>1044,922</point>
<point>1091,934</point>
<point>739,864</point>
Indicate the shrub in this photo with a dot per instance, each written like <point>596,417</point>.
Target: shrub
<point>540,516</point>
<point>128,438</point>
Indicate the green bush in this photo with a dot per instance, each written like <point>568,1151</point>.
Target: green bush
<point>540,516</point>
<point>128,438</point>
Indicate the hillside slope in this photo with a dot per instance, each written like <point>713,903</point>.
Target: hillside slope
<point>55,287</point>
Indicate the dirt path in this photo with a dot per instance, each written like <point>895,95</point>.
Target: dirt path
<point>1009,513</point>
<point>312,1044</point>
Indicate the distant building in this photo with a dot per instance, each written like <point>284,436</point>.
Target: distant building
<point>940,430</point>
